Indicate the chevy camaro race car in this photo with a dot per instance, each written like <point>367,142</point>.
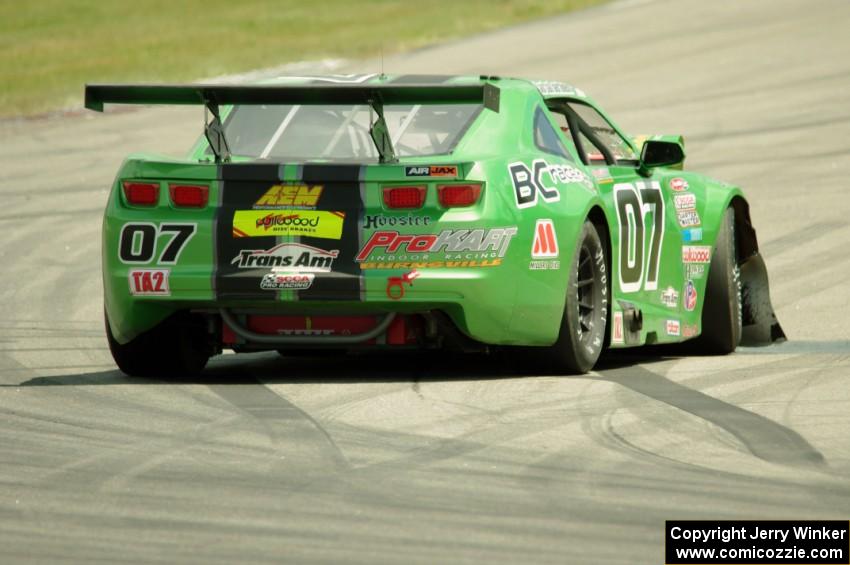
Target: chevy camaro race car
<point>375,211</point>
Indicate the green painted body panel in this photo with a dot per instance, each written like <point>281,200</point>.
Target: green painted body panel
<point>505,302</point>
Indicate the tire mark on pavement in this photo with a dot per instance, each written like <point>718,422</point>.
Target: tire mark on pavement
<point>764,438</point>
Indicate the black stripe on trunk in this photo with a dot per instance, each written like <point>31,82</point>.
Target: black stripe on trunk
<point>341,194</point>
<point>241,186</point>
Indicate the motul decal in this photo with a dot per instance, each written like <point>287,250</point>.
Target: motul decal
<point>149,282</point>
<point>545,244</point>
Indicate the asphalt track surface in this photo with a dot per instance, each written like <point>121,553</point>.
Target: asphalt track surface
<point>437,459</point>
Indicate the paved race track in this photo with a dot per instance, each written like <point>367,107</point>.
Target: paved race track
<point>436,459</point>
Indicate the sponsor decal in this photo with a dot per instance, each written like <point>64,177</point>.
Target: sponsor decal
<point>670,297</point>
<point>461,244</point>
<point>545,245</point>
<point>430,264</point>
<point>617,328</point>
<point>691,235</point>
<point>299,196</point>
<point>395,285</point>
<point>312,223</point>
<point>603,176</point>
<point>688,218</point>
<point>149,282</point>
<point>432,171</point>
<point>689,330</point>
<point>529,184</point>
<point>690,296</point>
<point>551,265</point>
<point>685,201</point>
<point>286,257</point>
<point>673,327</point>
<point>679,184</point>
<point>554,87</point>
<point>567,173</point>
<point>696,254</point>
<point>695,271</point>
<point>287,281</point>
<point>375,221</point>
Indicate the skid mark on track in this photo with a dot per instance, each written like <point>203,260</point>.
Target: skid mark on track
<point>800,237</point>
<point>279,417</point>
<point>764,438</point>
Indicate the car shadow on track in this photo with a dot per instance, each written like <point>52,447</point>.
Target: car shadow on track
<point>640,371</point>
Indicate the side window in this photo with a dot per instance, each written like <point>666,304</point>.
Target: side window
<point>546,138</point>
<point>604,132</point>
<point>592,151</point>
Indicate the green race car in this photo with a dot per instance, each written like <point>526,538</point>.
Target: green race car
<point>373,211</point>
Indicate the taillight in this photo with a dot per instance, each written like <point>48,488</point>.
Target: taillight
<point>141,193</point>
<point>458,195</point>
<point>404,196</point>
<point>189,195</point>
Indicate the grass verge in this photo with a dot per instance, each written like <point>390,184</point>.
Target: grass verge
<point>50,48</point>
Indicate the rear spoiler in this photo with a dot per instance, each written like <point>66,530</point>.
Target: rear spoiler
<point>204,94</point>
<point>214,96</point>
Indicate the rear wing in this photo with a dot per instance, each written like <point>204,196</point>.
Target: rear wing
<point>214,96</point>
<point>204,94</point>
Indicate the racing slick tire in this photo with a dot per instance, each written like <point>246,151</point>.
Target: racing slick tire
<point>175,349</point>
<point>721,311</point>
<point>585,317</point>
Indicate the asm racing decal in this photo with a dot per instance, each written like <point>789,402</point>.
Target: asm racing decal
<point>448,248</point>
<point>528,182</point>
<point>313,223</point>
<point>639,253</point>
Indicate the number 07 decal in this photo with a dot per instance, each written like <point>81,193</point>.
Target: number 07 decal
<point>634,203</point>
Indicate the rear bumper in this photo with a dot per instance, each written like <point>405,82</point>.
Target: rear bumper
<point>482,303</point>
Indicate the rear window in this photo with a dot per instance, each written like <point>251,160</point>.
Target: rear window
<point>307,132</point>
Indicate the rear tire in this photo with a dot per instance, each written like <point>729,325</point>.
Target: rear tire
<point>175,349</point>
<point>585,315</point>
<point>721,310</point>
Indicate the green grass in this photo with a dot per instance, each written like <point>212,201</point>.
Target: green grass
<point>50,48</point>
